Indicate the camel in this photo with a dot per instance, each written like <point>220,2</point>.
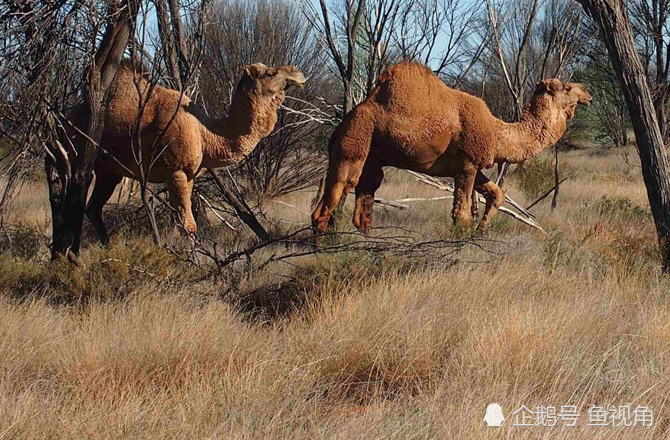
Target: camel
<point>178,141</point>
<point>412,120</point>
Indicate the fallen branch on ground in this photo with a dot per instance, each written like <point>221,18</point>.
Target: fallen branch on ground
<point>400,203</point>
<point>391,203</point>
<point>523,215</point>
<point>213,209</point>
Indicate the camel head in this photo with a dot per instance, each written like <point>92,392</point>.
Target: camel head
<point>565,96</point>
<point>258,96</point>
<point>270,82</point>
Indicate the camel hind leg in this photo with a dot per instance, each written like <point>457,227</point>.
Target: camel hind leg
<point>105,183</point>
<point>494,195</point>
<point>368,184</point>
<point>349,148</point>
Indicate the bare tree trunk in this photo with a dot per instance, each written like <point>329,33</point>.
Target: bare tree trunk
<point>149,207</point>
<point>611,17</point>
<point>69,180</point>
<point>179,39</point>
<point>346,64</point>
<point>168,43</point>
<point>661,113</point>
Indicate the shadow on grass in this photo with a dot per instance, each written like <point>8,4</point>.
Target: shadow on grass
<point>272,302</point>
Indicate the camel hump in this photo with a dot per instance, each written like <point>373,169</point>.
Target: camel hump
<point>405,82</point>
<point>405,68</point>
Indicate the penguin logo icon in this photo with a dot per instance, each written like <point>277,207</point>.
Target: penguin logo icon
<point>494,415</point>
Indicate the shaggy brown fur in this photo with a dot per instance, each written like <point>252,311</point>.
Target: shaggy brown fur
<point>177,139</point>
<point>413,120</point>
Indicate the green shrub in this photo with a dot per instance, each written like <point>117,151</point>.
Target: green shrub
<point>20,278</point>
<point>100,274</point>
<point>622,207</point>
<point>22,242</point>
<point>536,176</point>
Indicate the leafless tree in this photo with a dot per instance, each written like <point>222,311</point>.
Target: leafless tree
<point>272,32</point>
<point>608,105</point>
<point>611,17</point>
<point>531,40</point>
<point>339,24</point>
<point>37,37</point>
<point>29,54</point>
<point>651,26</point>
<point>363,39</point>
<point>438,33</point>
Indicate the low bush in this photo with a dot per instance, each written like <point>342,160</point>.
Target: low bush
<point>622,208</point>
<point>536,176</point>
<point>100,274</point>
<point>22,242</point>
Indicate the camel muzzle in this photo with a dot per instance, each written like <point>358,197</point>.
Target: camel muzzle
<point>297,81</point>
<point>293,75</point>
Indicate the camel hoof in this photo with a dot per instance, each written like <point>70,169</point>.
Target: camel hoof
<point>463,224</point>
<point>317,236</point>
<point>482,230</point>
<point>188,231</point>
<point>317,243</point>
<point>363,225</point>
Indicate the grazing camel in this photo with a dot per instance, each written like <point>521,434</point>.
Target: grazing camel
<point>412,120</point>
<point>177,139</point>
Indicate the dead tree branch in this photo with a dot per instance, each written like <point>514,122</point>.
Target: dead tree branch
<point>523,215</point>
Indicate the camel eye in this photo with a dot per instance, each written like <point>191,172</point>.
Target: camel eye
<point>271,72</point>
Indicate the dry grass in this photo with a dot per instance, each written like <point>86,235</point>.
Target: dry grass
<point>136,344</point>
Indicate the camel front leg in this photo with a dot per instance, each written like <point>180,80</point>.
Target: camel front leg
<point>368,184</point>
<point>180,189</point>
<point>494,195</point>
<point>349,147</point>
<point>464,182</point>
<point>341,179</point>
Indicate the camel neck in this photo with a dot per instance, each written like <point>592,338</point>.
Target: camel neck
<point>539,128</point>
<point>229,140</point>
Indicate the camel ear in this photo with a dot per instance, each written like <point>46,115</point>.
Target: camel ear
<point>552,86</point>
<point>256,71</point>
